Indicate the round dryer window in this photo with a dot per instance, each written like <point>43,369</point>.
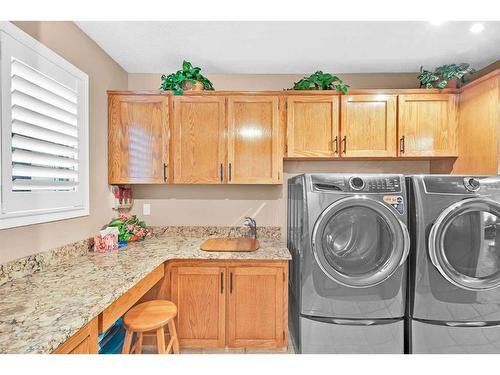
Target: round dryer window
<point>464,244</point>
<point>359,242</point>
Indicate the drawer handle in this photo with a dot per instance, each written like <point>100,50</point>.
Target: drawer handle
<point>164,171</point>
<point>344,147</point>
<point>230,171</point>
<point>336,143</point>
<point>221,173</point>
<point>402,144</point>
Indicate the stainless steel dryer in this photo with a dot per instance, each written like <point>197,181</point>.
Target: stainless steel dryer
<point>454,302</point>
<point>349,244</point>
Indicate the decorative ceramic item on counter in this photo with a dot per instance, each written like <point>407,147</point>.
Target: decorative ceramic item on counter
<point>130,228</point>
<point>106,240</point>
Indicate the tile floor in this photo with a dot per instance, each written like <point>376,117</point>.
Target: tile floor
<point>151,349</point>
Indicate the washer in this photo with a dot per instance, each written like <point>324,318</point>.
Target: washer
<point>454,283</point>
<point>349,242</point>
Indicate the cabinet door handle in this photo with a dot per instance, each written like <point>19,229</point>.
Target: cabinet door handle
<point>221,172</point>
<point>230,282</point>
<point>221,282</point>
<point>165,172</point>
<point>402,144</point>
<point>336,143</point>
<point>230,171</point>
<point>344,146</point>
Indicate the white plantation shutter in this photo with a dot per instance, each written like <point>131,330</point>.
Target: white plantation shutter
<point>44,158</point>
<point>43,111</point>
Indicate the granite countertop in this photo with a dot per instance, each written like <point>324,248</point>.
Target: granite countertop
<point>39,312</point>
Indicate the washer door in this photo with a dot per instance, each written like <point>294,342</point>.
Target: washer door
<point>359,242</point>
<point>464,244</point>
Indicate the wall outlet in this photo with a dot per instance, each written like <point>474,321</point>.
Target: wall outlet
<point>146,209</point>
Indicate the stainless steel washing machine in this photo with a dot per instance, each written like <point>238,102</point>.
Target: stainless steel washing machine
<point>349,242</point>
<point>454,283</point>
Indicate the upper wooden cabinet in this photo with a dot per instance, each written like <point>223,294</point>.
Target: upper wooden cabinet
<point>238,138</point>
<point>312,126</point>
<point>254,154</point>
<point>368,125</point>
<point>198,292</point>
<point>137,139</point>
<point>199,142</point>
<point>427,125</point>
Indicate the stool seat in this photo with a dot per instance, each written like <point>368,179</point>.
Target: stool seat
<point>150,315</point>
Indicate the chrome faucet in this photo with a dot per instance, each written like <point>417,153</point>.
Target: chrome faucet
<point>252,224</point>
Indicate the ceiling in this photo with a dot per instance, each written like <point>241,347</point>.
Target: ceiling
<point>255,47</point>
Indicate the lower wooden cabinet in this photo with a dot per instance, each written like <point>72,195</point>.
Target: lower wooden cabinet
<point>198,292</point>
<point>82,342</point>
<point>255,307</point>
<point>237,304</point>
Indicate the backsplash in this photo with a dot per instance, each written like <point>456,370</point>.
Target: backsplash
<point>37,262</point>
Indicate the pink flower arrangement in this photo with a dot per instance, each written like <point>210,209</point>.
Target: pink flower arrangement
<point>130,227</point>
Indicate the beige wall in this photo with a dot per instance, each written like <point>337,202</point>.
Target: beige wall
<point>70,42</point>
<point>227,205</point>
<point>283,81</point>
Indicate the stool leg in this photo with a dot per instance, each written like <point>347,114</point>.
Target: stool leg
<point>173,335</point>
<point>160,340</point>
<point>138,343</point>
<point>127,342</point>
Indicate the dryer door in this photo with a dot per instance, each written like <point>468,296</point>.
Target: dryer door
<point>359,242</point>
<point>464,244</point>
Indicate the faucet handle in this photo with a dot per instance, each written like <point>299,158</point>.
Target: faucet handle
<point>249,221</point>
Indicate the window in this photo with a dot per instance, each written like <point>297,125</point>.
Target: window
<point>44,133</point>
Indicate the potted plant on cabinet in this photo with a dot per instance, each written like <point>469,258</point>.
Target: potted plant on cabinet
<point>188,78</point>
<point>321,81</point>
<point>451,76</point>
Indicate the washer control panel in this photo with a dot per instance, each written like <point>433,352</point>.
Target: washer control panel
<point>389,184</point>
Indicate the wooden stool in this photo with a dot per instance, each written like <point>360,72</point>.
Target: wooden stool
<point>148,316</point>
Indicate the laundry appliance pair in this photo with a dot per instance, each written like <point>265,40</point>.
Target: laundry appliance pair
<point>384,264</point>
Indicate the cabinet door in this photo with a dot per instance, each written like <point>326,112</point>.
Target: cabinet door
<point>313,125</point>
<point>427,125</point>
<point>137,139</point>
<point>254,152</point>
<point>199,293</point>
<point>368,125</point>
<point>199,143</point>
<point>256,307</point>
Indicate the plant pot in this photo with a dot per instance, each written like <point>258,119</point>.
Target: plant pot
<point>190,86</point>
<point>133,238</point>
<point>453,83</point>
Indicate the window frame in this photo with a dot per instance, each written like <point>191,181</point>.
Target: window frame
<point>12,218</point>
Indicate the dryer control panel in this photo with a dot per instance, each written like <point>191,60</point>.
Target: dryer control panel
<point>358,183</point>
<point>387,184</point>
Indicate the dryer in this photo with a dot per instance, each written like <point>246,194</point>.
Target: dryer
<point>349,242</point>
<point>454,283</point>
